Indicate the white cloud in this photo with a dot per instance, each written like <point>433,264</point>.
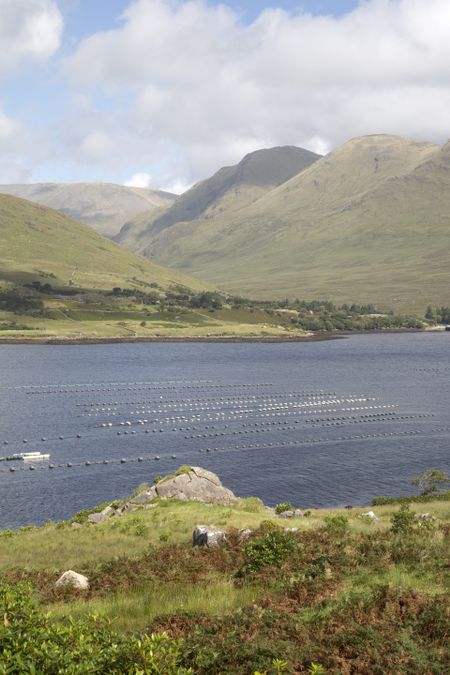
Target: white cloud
<point>13,138</point>
<point>141,180</point>
<point>29,29</point>
<point>198,89</point>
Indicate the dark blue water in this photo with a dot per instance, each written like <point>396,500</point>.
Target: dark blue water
<point>318,424</point>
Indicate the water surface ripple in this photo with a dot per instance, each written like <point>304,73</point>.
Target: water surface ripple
<point>318,424</point>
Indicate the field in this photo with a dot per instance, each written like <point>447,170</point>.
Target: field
<point>68,318</point>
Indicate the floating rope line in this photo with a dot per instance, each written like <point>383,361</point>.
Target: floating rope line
<point>236,448</point>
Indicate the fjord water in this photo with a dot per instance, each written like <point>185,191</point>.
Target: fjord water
<point>319,424</point>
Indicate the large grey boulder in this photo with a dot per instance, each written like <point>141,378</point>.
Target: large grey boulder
<point>204,535</point>
<point>195,485</point>
<point>71,578</point>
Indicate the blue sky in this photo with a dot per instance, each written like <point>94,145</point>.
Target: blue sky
<point>164,92</point>
<point>85,17</point>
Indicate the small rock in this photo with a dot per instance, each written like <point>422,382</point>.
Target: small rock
<point>298,513</point>
<point>144,497</point>
<point>204,535</point>
<point>75,526</point>
<point>71,578</point>
<point>371,515</point>
<point>97,518</point>
<point>424,517</point>
<point>292,530</point>
<point>107,511</point>
<point>244,534</point>
<point>286,514</point>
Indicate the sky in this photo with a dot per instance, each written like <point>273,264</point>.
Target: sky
<point>162,93</point>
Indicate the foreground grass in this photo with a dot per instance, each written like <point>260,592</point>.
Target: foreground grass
<point>171,522</point>
<point>134,610</point>
<point>349,594</point>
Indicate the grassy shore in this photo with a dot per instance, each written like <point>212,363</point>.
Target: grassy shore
<point>350,594</point>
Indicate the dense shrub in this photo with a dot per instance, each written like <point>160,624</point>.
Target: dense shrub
<point>284,506</point>
<point>411,499</point>
<point>31,643</point>
<point>403,521</point>
<point>272,549</point>
<point>338,523</point>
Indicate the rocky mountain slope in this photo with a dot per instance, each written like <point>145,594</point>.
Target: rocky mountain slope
<point>228,191</point>
<point>370,222</point>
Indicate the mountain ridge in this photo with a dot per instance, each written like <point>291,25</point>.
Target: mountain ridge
<point>366,223</point>
<point>230,188</point>
<point>103,206</point>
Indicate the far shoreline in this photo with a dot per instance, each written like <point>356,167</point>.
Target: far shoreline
<point>314,337</point>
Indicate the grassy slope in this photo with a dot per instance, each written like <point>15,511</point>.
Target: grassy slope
<point>103,206</point>
<point>356,599</point>
<point>367,223</point>
<point>36,241</point>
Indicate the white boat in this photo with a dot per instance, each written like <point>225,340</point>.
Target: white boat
<point>30,456</point>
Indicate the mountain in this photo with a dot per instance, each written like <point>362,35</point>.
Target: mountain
<point>227,191</point>
<point>38,243</point>
<point>104,206</point>
<point>370,222</point>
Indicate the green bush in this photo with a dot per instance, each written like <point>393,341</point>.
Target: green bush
<point>338,523</point>
<point>284,506</point>
<point>30,643</point>
<point>403,521</point>
<point>411,499</point>
<point>272,549</point>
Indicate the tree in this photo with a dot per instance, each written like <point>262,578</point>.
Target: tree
<point>431,313</point>
<point>431,481</point>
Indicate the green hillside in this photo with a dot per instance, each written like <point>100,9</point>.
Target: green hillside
<point>228,191</point>
<point>103,206</point>
<point>59,278</point>
<point>38,243</point>
<point>370,222</point>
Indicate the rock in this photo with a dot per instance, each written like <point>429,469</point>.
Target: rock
<point>204,535</point>
<point>71,578</point>
<point>97,518</point>
<point>197,485</point>
<point>144,497</point>
<point>129,507</point>
<point>286,514</point>
<point>424,517</point>
<point>292,530</point>
<point>75,526</point>
<point>371,515</point>
<point>244,534</point>
<point>107,511</point>
<point>298,513</point>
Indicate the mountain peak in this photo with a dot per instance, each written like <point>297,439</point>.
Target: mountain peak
<point>238,185</point>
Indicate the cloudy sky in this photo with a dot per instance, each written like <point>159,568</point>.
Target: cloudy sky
<point>164,92</point>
